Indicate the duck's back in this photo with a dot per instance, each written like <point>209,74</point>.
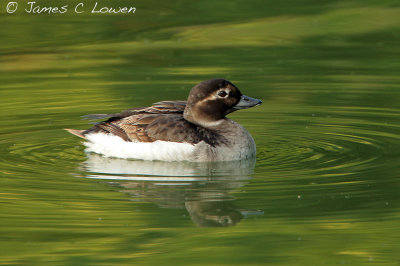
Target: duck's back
<point>163,121</point>
<point>163,107</point>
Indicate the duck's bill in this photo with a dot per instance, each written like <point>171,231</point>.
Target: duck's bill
<point>247,102</point>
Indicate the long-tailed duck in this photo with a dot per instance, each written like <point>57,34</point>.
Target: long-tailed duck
<point>192,130</point>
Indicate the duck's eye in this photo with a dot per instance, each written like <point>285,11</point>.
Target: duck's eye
<point>222,94</point>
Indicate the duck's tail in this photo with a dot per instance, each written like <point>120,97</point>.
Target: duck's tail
<point>76,132</point>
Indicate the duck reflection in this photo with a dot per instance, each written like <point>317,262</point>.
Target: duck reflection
<point>203,188</point>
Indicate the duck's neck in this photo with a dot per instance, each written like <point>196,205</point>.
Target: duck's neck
<point>201,118</point>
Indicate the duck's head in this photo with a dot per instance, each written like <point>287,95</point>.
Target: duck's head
<point>211,100</point>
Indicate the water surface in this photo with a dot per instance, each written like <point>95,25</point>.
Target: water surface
<point>323,189</point>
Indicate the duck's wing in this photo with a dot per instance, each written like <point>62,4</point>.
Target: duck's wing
<point>164,107</point>
<point>145,127</point>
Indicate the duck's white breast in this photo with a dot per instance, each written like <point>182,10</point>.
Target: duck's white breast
<point>238,145</point>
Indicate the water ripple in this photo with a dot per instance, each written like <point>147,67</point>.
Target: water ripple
<point>331,143</point>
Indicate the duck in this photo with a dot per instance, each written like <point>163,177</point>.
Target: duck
<point>195,130</point>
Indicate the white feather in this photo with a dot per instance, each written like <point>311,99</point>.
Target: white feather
<point>113,146</point>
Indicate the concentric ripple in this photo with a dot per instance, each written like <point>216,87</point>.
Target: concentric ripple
<point>34,152</point>
<point>331,143</point>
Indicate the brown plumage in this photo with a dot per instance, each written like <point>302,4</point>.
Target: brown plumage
<point>198,119</point>
<point>161,121</point>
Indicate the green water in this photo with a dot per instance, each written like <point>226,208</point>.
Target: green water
<point>324,189</point>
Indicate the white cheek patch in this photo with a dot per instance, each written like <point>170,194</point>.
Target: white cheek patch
<point>214,96</point>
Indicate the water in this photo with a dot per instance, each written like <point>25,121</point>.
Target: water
<point>323,190</point>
